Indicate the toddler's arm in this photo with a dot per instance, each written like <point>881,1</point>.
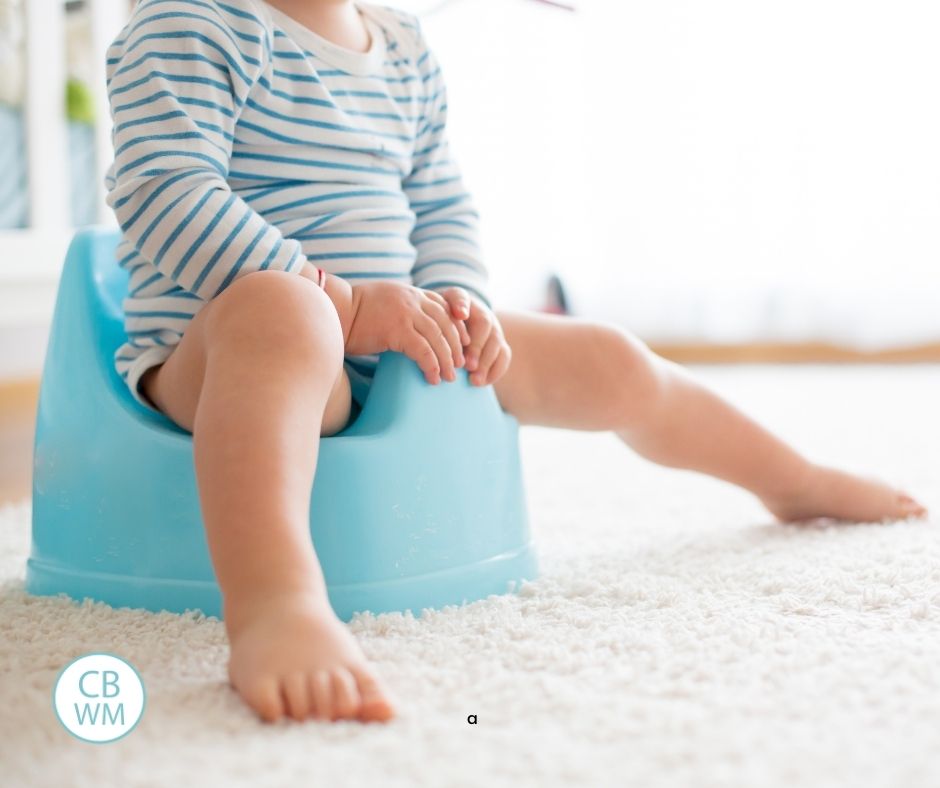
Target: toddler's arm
<point>446,229</point>
<point>178,77</point>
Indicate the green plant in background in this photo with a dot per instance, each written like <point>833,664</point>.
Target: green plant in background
<point>79,104</point>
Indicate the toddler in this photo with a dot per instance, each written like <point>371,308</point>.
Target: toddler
<point>290,209</point>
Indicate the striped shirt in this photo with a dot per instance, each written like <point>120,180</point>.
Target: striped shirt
<point>244,141</point>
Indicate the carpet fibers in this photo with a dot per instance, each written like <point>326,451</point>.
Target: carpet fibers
<point>677,636</point>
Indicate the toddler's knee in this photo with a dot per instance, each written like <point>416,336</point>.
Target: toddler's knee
<point>630,362</point>
<point>276,311</point>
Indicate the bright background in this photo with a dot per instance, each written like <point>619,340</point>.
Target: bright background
<point>721,172</point>
<point>725,171</point>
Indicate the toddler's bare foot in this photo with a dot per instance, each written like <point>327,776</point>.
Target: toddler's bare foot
<point>291,656</point>
<point>827,492</point>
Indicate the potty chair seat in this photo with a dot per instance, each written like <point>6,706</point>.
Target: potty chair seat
<point>419,503</point>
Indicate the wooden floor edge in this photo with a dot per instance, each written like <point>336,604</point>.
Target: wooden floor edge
<point>797,353</point>
<point>19,395</point>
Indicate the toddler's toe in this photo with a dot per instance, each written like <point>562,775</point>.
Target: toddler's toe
<point>346,700</point>
<point>264,696</point>
<point>376,705</point>
<point>296,695</point>
<point>322,686</point>
<point>910,507</point>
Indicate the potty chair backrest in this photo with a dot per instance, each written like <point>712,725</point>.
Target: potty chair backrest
<point>88,327</point>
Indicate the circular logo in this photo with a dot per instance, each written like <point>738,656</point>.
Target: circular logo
<point>99,698</point>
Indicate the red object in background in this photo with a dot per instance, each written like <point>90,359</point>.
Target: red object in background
<point>556,302</point>
<point>565,6</point>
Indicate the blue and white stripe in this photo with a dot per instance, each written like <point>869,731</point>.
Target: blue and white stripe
<point>244,142</point>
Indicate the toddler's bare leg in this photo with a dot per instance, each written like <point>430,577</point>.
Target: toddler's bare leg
<point>582,375</point>
<point>257,377</point>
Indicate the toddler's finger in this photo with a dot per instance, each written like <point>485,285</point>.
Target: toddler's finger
<point>446,324</point>
<point>464,334</point>
<point>431,331</point>
<point>437,298</point>
<point>487,357</point>
<point>416,347</point>
<point>459,301</point>
<point>500,365</point>
<point>480,331</point>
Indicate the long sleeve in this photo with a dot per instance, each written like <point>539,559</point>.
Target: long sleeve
<point>446,234</point>
<point>178,78</point>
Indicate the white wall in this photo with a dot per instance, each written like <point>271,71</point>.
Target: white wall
<point>718,168</point>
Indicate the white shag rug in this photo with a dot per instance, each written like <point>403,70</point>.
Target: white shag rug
<point>677,636</point>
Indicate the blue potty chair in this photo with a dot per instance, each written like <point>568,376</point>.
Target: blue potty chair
<point>406,520</point>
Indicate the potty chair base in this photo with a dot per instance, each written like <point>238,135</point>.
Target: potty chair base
<point>419,503</point>
<point>457,586</point>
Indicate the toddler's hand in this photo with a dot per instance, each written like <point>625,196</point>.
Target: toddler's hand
<point>416,322</point>
<point>487,354</point>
